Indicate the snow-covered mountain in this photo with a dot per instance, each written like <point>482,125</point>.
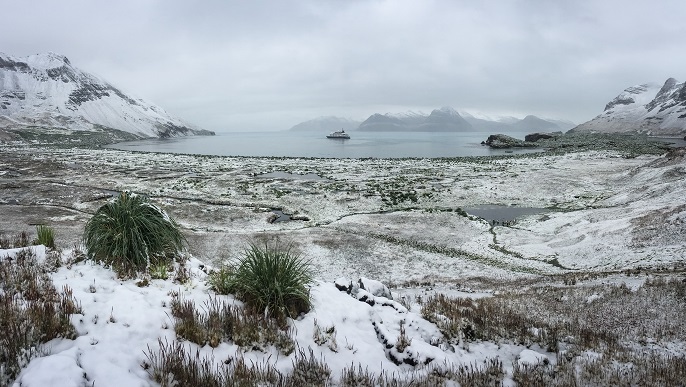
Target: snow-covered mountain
<point>445,119</point>
<point>45,90</point>
<point>326,124</point>
<point>646,108</point>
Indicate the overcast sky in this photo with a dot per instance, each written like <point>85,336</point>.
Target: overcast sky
<point>268,65</point>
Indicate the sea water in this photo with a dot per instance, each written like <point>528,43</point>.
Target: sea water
<point>315,144</point>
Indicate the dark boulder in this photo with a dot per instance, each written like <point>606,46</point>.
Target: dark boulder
<point>500,141</point>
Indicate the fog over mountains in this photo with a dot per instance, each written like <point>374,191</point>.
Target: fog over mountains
<point>45,90</point>
<point>445,119</point>
<point>648,108</point>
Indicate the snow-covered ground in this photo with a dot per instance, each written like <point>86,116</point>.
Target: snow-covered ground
<point>122,322</point>
<point>603,212</point>
<point>391,219</point>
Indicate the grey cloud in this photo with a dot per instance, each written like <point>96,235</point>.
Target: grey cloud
<point>242,65</point>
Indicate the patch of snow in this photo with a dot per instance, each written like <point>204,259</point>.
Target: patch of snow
<point>39,250</point>
<point>531,357</point>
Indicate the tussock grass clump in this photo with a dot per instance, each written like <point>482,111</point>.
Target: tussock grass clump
<point>45,236</point>
<point>269,278</point>
<point>32,312</point>
<point>220,321</point>
<point>130,233</point>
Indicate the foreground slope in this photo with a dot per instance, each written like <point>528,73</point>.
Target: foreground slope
<point>46,90</point>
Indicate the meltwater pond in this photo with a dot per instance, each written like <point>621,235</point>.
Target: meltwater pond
<point>315,144</point>
<point>503,214</point>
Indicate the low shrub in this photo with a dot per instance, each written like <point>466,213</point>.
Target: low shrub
<point>130,233</point>
<point>16,241</point>
<point>173,365</point>
<point>221,322</point>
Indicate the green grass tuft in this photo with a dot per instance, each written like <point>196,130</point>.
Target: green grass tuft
<point>45,236</point>
<point>130,233</point>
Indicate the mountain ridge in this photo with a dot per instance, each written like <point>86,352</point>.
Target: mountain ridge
<point>47,90</point>
<point>444,119</point>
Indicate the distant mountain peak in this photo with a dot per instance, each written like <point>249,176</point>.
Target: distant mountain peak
<point>48,60</point>
<point>444,119</point>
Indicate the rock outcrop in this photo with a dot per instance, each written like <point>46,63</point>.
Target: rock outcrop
<point>501,141</point>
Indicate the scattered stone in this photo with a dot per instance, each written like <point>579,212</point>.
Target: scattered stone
<point>343,284</point>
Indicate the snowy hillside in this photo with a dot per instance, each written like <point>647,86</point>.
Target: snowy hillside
<point>45,90</point>
<point>646,108</point>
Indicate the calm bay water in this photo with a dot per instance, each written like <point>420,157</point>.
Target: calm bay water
<point>315,144</point>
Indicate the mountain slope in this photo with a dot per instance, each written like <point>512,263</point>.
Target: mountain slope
<point>45,90</point>
<point>529,123</point>
<point>648,108</point>
<point>533,123</point>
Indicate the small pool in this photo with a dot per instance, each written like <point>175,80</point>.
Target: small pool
<point>503,214</point>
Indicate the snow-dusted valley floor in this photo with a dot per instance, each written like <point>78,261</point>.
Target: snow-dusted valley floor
<point>391,219</point>
<point>399,221</point>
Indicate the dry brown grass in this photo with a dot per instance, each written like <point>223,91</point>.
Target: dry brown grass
<point>32,312</point>
<point>218,321</point>
<point>626,328</point>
